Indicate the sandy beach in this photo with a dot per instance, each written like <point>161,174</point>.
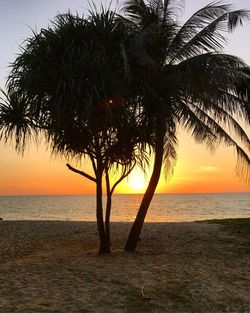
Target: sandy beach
<point>178,267</point>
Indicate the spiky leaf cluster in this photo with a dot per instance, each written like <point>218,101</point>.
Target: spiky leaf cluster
<point>70,83</point>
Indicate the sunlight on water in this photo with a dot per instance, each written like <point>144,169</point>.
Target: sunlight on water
<point>164,208</point>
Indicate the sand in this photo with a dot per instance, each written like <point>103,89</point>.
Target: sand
<point>181,267</point>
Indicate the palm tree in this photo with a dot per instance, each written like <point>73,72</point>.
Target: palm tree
<point>69,83</point>
<point>186,80</point>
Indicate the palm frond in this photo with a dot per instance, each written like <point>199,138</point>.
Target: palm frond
<point>170,152</point>
<point>196,127</point>
<point>243,160</point>
<point>224,118</point>
<point>215,76</point>
<point>204,31</point>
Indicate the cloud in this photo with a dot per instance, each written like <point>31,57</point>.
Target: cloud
<point>208,169</point>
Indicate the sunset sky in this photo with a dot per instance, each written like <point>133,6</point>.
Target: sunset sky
<point>38,173</point>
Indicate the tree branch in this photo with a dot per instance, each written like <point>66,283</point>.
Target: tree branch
<point>124,175</point>
<point>81,173</point>
<point>93,162</point>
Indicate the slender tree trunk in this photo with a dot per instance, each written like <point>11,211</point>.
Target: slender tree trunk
<point>109,198</point>
<point>147,198</point>
<point>108,206</point>
<point>107,217</point>
<point>104,245</point>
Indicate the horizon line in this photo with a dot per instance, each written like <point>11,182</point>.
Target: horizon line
<point>123,194</point>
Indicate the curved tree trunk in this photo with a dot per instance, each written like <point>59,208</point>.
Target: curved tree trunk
<point>147,198</point>
<point>104,245</point>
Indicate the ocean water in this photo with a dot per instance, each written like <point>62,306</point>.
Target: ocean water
<point>164,207</point>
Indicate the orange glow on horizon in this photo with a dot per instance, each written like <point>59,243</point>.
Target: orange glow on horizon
<point>196,172</point>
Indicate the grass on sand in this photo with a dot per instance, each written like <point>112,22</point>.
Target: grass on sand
<point>239,226</point>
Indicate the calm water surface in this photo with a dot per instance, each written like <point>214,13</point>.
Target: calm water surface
<point>165,207</point>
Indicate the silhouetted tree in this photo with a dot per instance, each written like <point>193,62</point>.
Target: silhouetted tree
<point>186,80</point>
<point>70,84</point>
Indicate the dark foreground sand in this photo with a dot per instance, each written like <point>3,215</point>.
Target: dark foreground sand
<point>183,267</point>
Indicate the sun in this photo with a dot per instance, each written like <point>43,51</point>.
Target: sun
<point>137,182</point>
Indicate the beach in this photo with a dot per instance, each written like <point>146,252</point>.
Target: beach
<point>52,266</point>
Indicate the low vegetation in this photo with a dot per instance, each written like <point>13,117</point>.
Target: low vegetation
<point>239,226</point>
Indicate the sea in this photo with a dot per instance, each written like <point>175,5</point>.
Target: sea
<point>164,207</point>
